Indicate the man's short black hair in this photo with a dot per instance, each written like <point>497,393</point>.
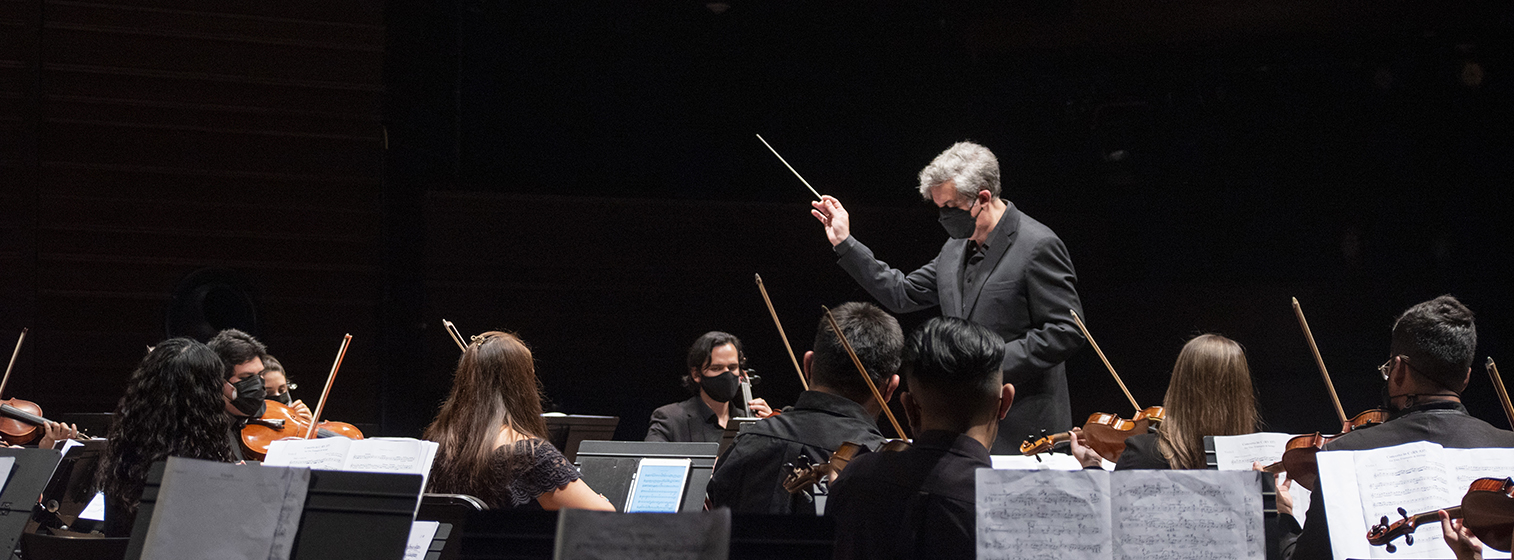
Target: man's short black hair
<point>1439,339</point>
<point>875,336</point>
<point>699,354</point>
<point>956,359</point>
<point>236,348</point>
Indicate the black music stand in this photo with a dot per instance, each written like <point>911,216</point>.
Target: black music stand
<point>31,473</point>
<point>347,515</point>
<point>566,432</point>
<point>609,467</point>
<point>70,490</point>
<point>733,428</point>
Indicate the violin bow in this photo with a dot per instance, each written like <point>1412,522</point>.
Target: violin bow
<point>1095,345</point>
<point>321,406</point>
<point>1304,323</point>
<point>785,337</point>
<point>456,336</point>
<point>1503,392</point>
<point>5,381</point>
<point>865,377</point>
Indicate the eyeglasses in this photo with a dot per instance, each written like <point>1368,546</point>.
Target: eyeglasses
<point>1388,366</point>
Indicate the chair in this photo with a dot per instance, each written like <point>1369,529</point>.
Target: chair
<point>451,512</point>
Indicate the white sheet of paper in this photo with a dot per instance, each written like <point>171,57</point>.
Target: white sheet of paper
<point>389,455</point>
<point>7,464</point>
<point>95,509</point>
<point>1177,513</point>
<point>1027,514</point>
<point>324,453</point>
<point>1366,485</point>
<point>421,535</point>
<point>254,511</point>
<point>1236,453</point>
<point>1047,461</point>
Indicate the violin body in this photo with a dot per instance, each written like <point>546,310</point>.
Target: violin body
<point>1299,454</point>
<point>802,474</point>
<point>279,421</point>
<point>1103,432</point>
<point>13,428</point>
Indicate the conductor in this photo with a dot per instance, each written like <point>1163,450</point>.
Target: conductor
<point>1000,268</point>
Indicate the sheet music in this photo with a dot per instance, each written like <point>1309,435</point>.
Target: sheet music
<point>421,535</point>
<point>1236,453</point>
<point>606,535</point>
<point>1183,514</point>
<point>658,486</point>
<point>1043,514</point>
<point>7,464</point>
<point>207,509</point>
<point>1041,462</point>
<point>325,453</point>
<point>390,455</point>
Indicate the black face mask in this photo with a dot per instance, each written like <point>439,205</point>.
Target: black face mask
<point>250,394</point>
<point>722,387</point>
<point>958,223</point>
<point>281,398</point>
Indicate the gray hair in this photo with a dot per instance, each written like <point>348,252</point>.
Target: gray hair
<point>970,167</point>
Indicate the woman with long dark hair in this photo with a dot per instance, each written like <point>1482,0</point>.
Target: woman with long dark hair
<point>491,437</point>
<point>173,406</point>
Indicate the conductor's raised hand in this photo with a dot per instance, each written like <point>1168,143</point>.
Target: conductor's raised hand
<point>838,225</point>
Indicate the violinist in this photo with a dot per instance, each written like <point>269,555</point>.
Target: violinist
<point>1210,394</point>
<point>276,387</point>
<point>920,502</point>
<point>173,406</point>
<point>242,357</point>
<point>838,408</point>
<point>1429,364</point>
<point>715,371</point>
<point>1000,268</point>
<point>491,439</point>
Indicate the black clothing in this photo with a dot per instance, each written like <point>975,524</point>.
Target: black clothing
<point>916,503</point>
<point>518,474</point>
<point>1022,289</point>
<point>748,478</point>
<point>1141,452</point>
<point>1446,423</point>
<point>690,420</point>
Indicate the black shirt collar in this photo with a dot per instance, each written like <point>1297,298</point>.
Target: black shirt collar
<point>1455,406</point>
<point>955,442</point>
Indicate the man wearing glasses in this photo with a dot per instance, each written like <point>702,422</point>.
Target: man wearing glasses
<point>714,376</point>
<point>1429,366</point>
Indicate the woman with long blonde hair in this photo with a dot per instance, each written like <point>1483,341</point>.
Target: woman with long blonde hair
<point>491,437</point>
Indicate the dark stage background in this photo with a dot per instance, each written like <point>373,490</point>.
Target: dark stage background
<point>585,174</point>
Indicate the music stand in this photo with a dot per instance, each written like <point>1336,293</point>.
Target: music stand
<point>33,469</point>
<point>609,467</point>
<point>733,428</point>
<point>70,490</point>
<point>566,432</point>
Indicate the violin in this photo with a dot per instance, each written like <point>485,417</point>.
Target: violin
<point>1487,510</point>
<point>21,421</point>
<point>279,421</point>
<point>803,473</point>
<point>1103,432</point>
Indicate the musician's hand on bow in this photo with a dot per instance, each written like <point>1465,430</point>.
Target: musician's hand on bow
<point>1462,541</point>
<point>760,408</point>
<point>55,432</point>
<point>301,410</point>
<point>838,224</point>
<point>1084,454</point>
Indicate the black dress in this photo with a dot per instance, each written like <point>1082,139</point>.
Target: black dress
<point>519,473</point>
<point>1141,452</point>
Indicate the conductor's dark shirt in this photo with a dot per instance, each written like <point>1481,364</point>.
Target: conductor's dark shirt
<point>748,478</point>
<point>1445,423</point>
<point>916,503</point>
<point>690,420</point>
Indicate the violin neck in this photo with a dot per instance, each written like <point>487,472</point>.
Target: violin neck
<point>1434,516</point>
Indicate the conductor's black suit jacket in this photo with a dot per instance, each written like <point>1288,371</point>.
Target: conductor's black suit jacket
<point>1023,291</point>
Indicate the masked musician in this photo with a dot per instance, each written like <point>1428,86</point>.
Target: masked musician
<point>919,503</point>
<point>839,407</point>
<point>715,372</point>
<point>491,439</point>
<point>1210,394</point>
<point>1428,367</point>
<point>276,387</point>
<point>1001,269</point>
<point>173,406</point>
<point>243,357</point>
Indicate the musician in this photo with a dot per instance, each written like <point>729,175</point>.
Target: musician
<point>1428,367</point>
<point>919,503</point>
<point>839,407</point>
<point>276,387</point>
<point>491,437</point>
<point>1460,539</point>
<point>1001,269</point>
<point>714,377</point>
<point>173,406</point>
<point>242,357</point>
<point>1210,394</point>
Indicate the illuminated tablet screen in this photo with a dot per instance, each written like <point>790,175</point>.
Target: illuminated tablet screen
<point>658,487</point>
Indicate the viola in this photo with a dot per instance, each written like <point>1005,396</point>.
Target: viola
<point>279,421</point>
<point>1487,510</point>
